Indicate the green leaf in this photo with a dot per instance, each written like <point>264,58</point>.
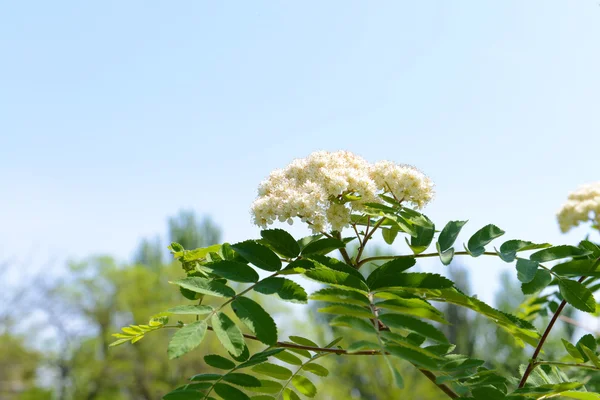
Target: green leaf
<point>233,270</point>
<point>353,323</point>
<point>558,252</point>
<point>449,234</point>
<point>191,309</point>
<point>244,356</point>
<point>591,355</point>
<point>217,361</point>
<point>332,263</point>
<point>586,341</point>
<point>419,280</point>
<point>445,256</point>
<point>316,369</point>
<point>335,295</point>
<point>289,358</point>
<point>591,247</point>
<point>424,237</point>
<point>240,379</point>
<point>346,309</point>
<point>259,255</point>
<point>509,249</point>
<point>305,241</point>
<point>412,356</point>
<point>413,325</point>
<point>323,246</point>
<point>289,394</point>
<point>228,392</point>
<point>415,307</point>
<point>267,386</point>
<point>206,377</point>
<point>573,351</point>
<point>284,288</point>
<point>526,269</point>
<point>205,286</point>
<point>282,242</point>
<point>581,395</point>
<point>259,358</point>
<point>273,371</point>
<point>585,267</point>
<point>390,268</point>
<point>336,278</point>
<point>256,319</point>
<point>389,234</point>
<point>302,341</point>
<point>304,386</point>
<point>482,237</point>
<point>577,295</point>
<point>228,333</point>
<point>181,395</point>
<point>398,381</point>
<point>548,389</point>
<point>541,279</point>
<point>262,397</point>
<point>186,339</point>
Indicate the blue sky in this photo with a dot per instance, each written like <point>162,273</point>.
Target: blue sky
<point>114,115</point>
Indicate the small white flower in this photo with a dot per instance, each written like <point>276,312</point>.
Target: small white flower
<point>306,187</point>
<point>582,205</point>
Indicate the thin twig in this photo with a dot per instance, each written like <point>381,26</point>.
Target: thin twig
<point>533,363</point>
<point>368,236</point>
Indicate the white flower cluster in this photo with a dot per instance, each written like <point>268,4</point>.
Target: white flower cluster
<point>311,189</point>
<point>583,205</point>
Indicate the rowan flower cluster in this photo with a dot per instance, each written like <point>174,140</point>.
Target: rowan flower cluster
<point>582,205</point>
<point>326,187</point>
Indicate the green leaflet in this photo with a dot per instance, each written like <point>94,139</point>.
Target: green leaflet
<point>316,369</point>
<point>288,357</point>
<point>191,309</point>
<point>205,286</point>
<point>241,379</point>
<point>336,279</point>
<point>509,249</point>
<point>282,242</point>
<point>481,238</point>
<point>353,323</point>
<point>390,268</point>
<point>363,345</point>
<point>414,325</point>
<point>548,389</point>
<point>573,351</point>
<point>541,279</point>
<point>586,341</point>
<point>558,252</point>
<point>186,339</point>
<point>228,334</point>
<point>412,356</point>
<point>289,394</point>
<point>336,295</point>
<point>581,395</point>
<point>337,265</point>
<point>284,288</point>
<point>423,239</point>
<point>419,280</point>
<point>259,255</point>
<point>273,371</point>
<point>228,392</point>
<point>577,295</point>
<point>217,361</point>
<point>304,385</point>
<point>415,307</point>
<point>389,234</point>
<point>232,270</point>
<point>303,341</point>
<point>322,246</point>
<point>449,234</point>
<point>267,386</point>
<point>256,319</point>
<point>347,309</point>
<point>526,269</point>
<point>585,267</point>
